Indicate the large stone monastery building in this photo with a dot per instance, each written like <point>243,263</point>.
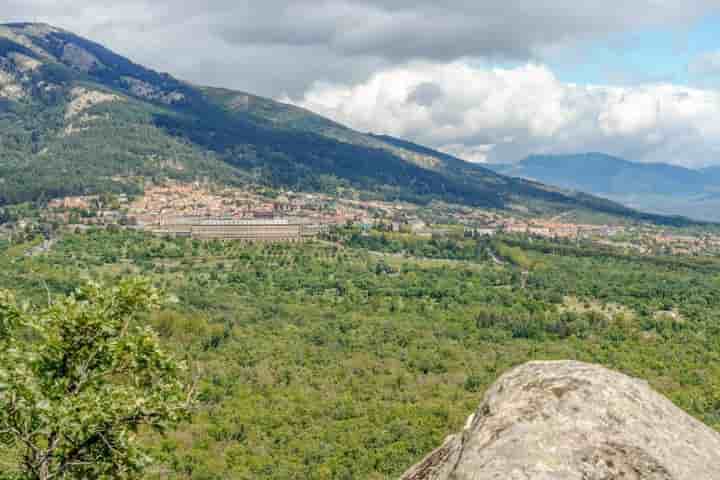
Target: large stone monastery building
<point>252,230</point>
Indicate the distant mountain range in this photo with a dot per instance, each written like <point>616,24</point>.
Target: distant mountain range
<point>77,118</point>
<point>654,187</point>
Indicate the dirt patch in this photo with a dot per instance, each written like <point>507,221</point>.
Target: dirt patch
<point>609,310</point>
<point>25,63</point>
<point>84,99</point>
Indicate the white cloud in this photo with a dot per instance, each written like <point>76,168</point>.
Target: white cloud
<point>437,96</point>
<point>706,64</point>
<point>476,153</point>
<point>271,47</point>
<point>504,114</point>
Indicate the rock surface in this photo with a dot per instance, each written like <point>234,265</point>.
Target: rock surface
<point>574,421</point>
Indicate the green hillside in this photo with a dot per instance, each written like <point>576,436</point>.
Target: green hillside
<point>77,118</point>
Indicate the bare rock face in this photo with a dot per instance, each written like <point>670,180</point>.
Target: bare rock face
<point>79,58</point>
<point>574,421</point>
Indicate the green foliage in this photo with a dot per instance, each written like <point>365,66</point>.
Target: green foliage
<point>324,360</point>
<point>109,154</point>
<point>77,380</point>
<point>514,255</point>
<point>406,244</point>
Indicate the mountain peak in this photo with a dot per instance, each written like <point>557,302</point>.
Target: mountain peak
<point>28,30</point>
<point>585,155</point>
<point>23,25</point>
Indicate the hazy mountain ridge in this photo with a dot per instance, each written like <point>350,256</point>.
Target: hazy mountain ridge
<point>656,187</point>
<point>78,118</point>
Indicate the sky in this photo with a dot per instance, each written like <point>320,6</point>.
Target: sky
<point>487,80</point>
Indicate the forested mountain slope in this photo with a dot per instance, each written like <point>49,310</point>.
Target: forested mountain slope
<point>77,118</point>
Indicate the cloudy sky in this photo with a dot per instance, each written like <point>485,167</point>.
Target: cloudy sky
<point>488,80</point>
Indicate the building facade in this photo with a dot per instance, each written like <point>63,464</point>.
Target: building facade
<point>253,230</point>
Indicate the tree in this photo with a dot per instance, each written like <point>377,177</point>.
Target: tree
<point>79,378</point>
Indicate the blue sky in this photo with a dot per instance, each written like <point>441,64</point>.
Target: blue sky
<point>648,55</point>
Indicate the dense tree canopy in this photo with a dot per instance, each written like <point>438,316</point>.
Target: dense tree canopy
<point>78,378</point>
<point>354,358</point>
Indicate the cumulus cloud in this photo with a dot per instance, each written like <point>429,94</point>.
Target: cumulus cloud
<point>282,46</point>
<point>410,67</point>
<point>484,114</point>
<point>402,30</point>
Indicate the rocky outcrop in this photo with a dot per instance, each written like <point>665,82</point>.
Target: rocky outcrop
<point>79,58</point>
<point>574,421</point>
<point>83,99</point>
<point>8,87</point>
<point>150,92</point>
<point>24,63</point>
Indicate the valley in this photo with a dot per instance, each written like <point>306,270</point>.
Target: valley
<point>199,283</point>
<point>323,360</point>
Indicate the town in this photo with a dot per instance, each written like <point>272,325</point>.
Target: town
<point>208,211</point>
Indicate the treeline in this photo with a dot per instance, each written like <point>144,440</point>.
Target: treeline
<point>457,248</point>
<point>704,263</point>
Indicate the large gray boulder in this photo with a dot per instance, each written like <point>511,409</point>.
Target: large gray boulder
<point>574,421</point>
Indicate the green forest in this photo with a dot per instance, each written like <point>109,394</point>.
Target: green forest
<point>354,356</point>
